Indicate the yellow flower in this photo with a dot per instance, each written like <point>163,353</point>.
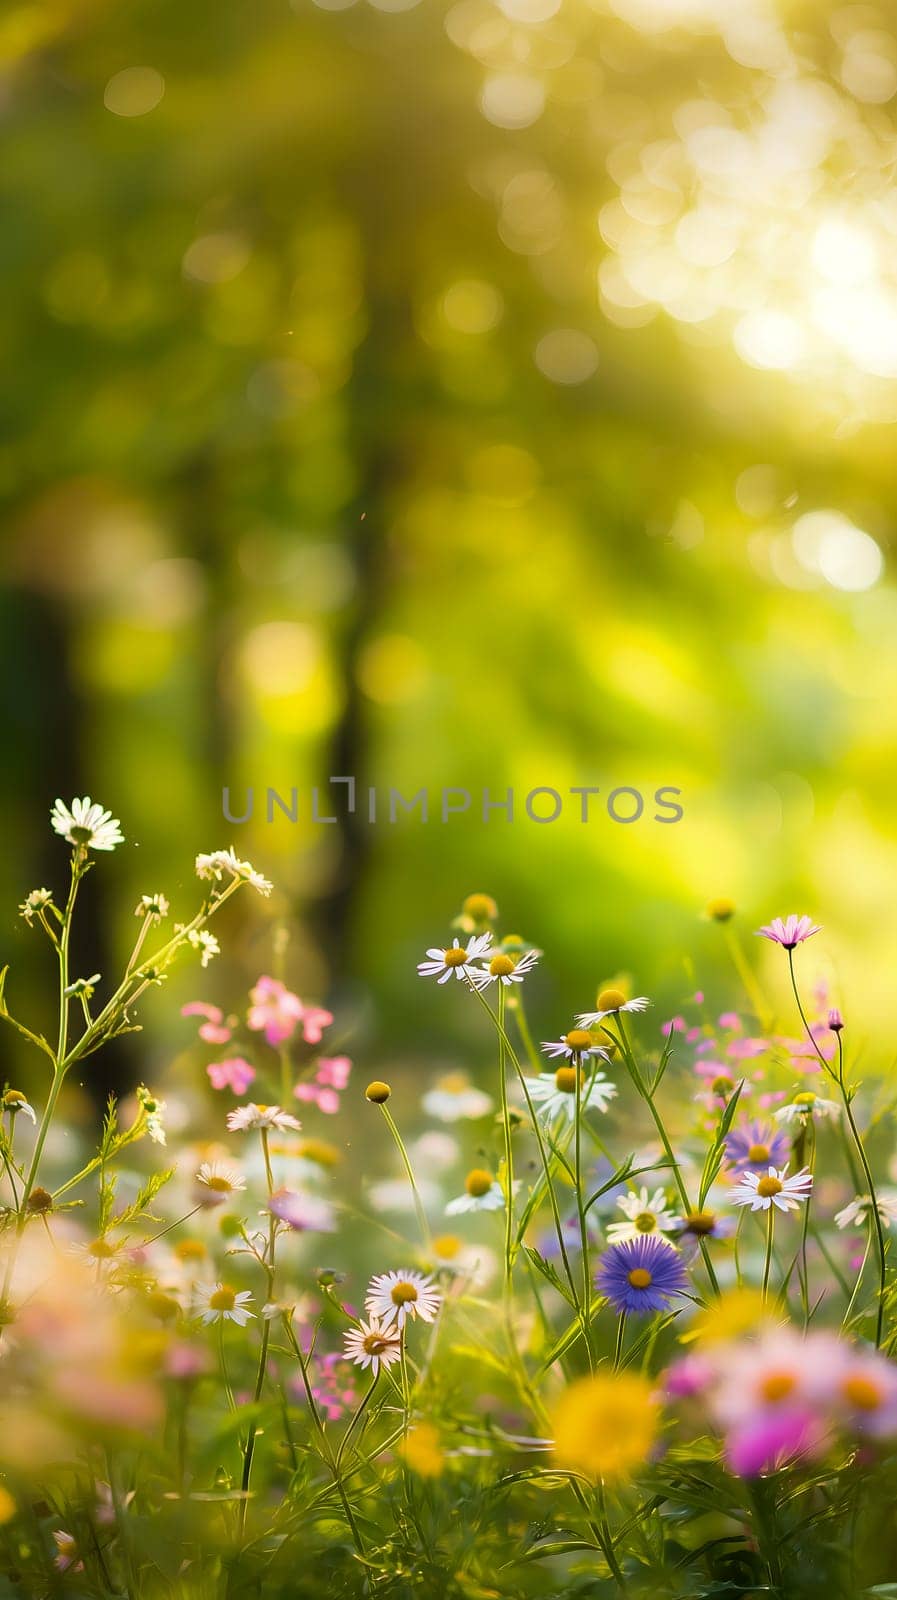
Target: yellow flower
<point>422,1451</point>
<point>605,1425</point>
<point>736,1312</point>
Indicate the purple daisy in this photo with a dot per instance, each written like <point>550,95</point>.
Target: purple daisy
<point>756,1147</point>
<point>641,1275</point>
<point>790,932</point>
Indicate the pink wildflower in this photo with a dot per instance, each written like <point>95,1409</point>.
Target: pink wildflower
<point>789,932</point>
<point>214,1030</point>
<point>235,1073</point>
<point>324,1090</point>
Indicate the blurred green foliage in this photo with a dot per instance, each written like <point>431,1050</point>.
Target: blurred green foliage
<point>431,393</point>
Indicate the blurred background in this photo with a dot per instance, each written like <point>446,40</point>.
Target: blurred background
<point>478,394</point>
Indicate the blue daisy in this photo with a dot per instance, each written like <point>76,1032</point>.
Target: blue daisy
<point>756,1147</point>
<point>641,1275</point>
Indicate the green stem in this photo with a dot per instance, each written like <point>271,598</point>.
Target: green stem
<point>770,1216</point>
<point>409,1171</point>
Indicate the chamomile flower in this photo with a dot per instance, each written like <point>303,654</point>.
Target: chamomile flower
<point>373,1345</point>
<point>14,1101</point>
<point>396,1296</point>
<point>86,825</point>
<point>481,1193</point>
<point>577,1045</point>
<point>454,1097</point>
<point>200,939</point>
<point>505,968</point>
<point>253,1116</point>
<point>806,1106</point>
<point>646,1215</point>
<point>152,905</point>
<point>220,863</point>
<point>153,1110</point>
<point>774,1188</point>
<point>790,932</point>
<point>554,1093</point>
<point>219,1182</point>
<point>858,1212</point>
<point>610,1002</point>
<point>34,903</point>
<point>220,1303</point>
<point>457,961</point>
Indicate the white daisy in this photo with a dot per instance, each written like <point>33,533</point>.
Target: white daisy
<point>221,1303</point>
<point>506,968</point>
<point>34,903</point>
<point>370,1345</point>
<point>806,1105</point>
<point>610,1001</point>
<point>859,1211</point>
<point>220,1181</point>
<point>396,1296</point>
<point>481,1193</point>
<point>253,1116</point>
<point>454,1097</point>
<point>575,1043</point>
<point>221,862</point>
<point>151,905</point>
<point>86,824</point>
<point>645,1214</point>
<point>455,1256</point>
<point>14,1101</point>
<point>200,939</point>
<point>555,1093</point>
<point>760,1191</point>
<point>442,964</point>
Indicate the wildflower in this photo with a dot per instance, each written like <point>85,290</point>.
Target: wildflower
<point>806,1106</point>
<point>858,1212</point>
<point>373,1345</point>
<point>396,1296</point>
<point>698,1225</point>
<point>214,1030</point>
<point>866,1390</point>
<point>67,1557</point>
<point>457,961</point>
<point>220,1181</point>
<point>769,1441</point>
<point>554,1093</point>
<point>40,1201</point>
<point>452,1255</point>
<point>454,1098</point>
<point>277,1012</point>
<point>34,903</point>
<point>775,1189</point>
<point>755,1147</point>
<point>86,825</point>
<point>481,1193</point>
<point>606,1425</point>
<point>835,1020</point>
<point>330,1079</point>
<point>735,1312</point>
<point>721,909</point>
<point>205,942</point>
<point>641,1275</point>
<point>577,1045</point>
<point>304,1213</point>
<point>480,908</point>
<point>422,1451</point>
<point>506,969</point>
<point>253,1116</point>
<point>234,1073</point>
<point>221,1303</point>
<point>378,1092</point>
<point>221,862</point>
<point>83,986</point>
<point>153,1111</point>
<point>151,905</point>
<point>14,1101</point>
<point>610,1002</point>
<point>790,932</point>
<point>644,1216</point>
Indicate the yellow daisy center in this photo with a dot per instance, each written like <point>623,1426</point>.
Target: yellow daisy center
<point>640,1278</point>
<point>454,1083</point>
<point>611,1000</point>
<point>862,1392</point>
<point>480,908</point>
<point>223,1299</point>
<point>646,1221</point>
<point>804,1099</point>
<point>500,966</point>
<point>374,1344</point>
<point>722,1084</point>
<point>700,1222</point>
<point>777,1386</point>
<point>565,1080</point>
<point>447,1246</point>
<point>478,1182</point>
<point>190,1250</point>
<point>769,1186</point>
<point>100,1250</point>
<point>403,1294</point>
<point>216,1181</point>
<point>319,1151</point>
<point>578,1039</point>
<point>455,957</point>
<point>758,1152</point>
